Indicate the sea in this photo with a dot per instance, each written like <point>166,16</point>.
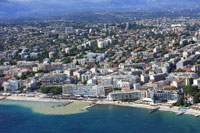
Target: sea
<point>98,119</point>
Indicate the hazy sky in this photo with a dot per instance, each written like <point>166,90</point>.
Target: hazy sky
<point>13,8</point>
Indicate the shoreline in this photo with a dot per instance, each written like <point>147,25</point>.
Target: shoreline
<point>145,106</point>
<point>135,105</point>
<point>48,106</point>
<point>39,99</point>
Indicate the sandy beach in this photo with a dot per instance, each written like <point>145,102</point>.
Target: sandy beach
<point>162,107</point>
<point>23,98</point>
<point>44,105</point>
<point>47,105</point>
<point>39,99</point>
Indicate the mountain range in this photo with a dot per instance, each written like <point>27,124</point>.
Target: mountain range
<point>24,8</point>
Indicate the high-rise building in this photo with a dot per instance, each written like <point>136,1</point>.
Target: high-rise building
<point>69,30</point>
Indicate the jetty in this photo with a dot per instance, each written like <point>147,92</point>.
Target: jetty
<point>154,110</point>
<point>180,113</point>
<point>64,104</point>
<point>91,105</point>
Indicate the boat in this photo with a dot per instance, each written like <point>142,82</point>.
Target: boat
<point>154,110</point>
<point>197,115</point>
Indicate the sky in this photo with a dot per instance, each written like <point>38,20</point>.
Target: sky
<point>18,8</point>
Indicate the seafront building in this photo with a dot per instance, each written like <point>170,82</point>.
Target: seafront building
<point>10,85</point>
<point>125,96</point>
<point>161,95</point>
<point>83,90</point>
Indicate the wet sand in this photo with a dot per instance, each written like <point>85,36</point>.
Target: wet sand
<point>49,107</point>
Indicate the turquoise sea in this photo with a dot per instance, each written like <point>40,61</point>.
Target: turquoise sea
<point>99,119</point>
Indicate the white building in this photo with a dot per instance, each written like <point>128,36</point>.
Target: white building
<point>93,70</point>
<point>158,77</point>
<point>144,78</point>
<point>69,30</point>
<point>68,72</point>
<point>51,54</point>
<point>196,68</point>
<point>137,86</point>
<point>92,81</point>
<point>161,95</point>
<point>67,50</point>
<point>31,84</point>
<point>123,83</point>
<point>10,85</point>
<point>127,95</point>
<point>156,50</point>
<point>83,90</point>
<point>78,73</point>
<point>196,82</point>
<point>54,79</point>
<point>102,43</point>
<point>177,84</point>
<point>107,81</point>
<point>86,76</point>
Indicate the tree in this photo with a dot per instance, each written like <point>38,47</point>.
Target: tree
<point>198,72</point>
<point>67,60</point>
<point>117,89</point>
<point>180,101</point>
<point>23,76</point>
<point>30,89</point>
<point>196,98</point>
<point>54,90</point>
<point>191,90</point>
<point>2,75</point>
<point>180,70</point>
<point>45,90</point>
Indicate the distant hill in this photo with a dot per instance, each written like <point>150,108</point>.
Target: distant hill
<point>21,8</point>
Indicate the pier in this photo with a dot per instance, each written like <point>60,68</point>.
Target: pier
<point>91,105</point>
<point>180,113</point>
<point>62,105</point>
<point>154,110</point>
